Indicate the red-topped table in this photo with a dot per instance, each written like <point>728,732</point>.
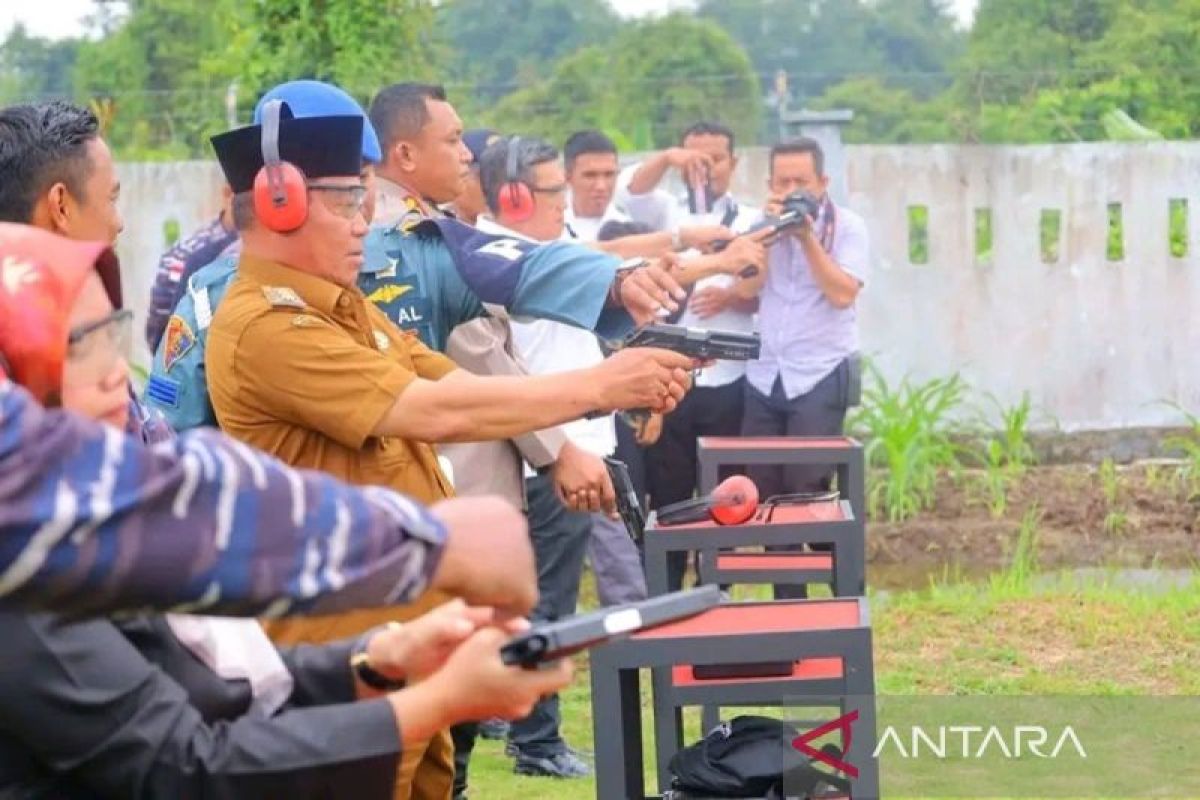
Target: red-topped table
<point>831,523</point>
<point>842,453</point>
<point>765,568</point>
<point>828,642</point>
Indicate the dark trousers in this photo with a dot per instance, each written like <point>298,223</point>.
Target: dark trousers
<point>560,539</point>
<point>819,412</point>
<point>464,735</point>
<point>671,464</point>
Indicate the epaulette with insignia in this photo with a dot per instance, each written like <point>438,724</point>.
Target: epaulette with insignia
<point>282,297</point>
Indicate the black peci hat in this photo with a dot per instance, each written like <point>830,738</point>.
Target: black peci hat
<point>321,147</point>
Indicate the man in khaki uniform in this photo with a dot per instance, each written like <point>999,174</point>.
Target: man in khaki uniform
<point>301,365</point>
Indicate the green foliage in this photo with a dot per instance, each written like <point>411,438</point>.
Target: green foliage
<point>636,87</point>
<point>1188,447</point>
<point>983,235</point>
<point>819,43</point>
<point>918,234</point>
<point>32,68</point>
<point>1031,71</point>
<point>1007,453</point>
<point>1110,481</point>
<point>159,76</point>
<point>495,56</point>
<point>1116,522</point>
<point>1024,559</point>
<point>1049,234</point>
<point>360,45</point>
<point>1121,127</point>
<point>909,431</point>
<point>1114,246</point>
<point>1028,71</point>
<point>1078,65</point>
<point>1178,227</point>
<point>884,113</point>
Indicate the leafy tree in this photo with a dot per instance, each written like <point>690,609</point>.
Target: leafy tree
<point>158,78</point>
<point>498,46</point>
<point>360,45</point>
<point>640,91</point>
<point>820,43</point>
<point>1076,64</point>
<point>32,67</point>
<point>885,113</point>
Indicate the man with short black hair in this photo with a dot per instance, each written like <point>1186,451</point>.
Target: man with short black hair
<point>591,166</point>
<point>714,408</point>
<point>57,172</point>
<point>425,162</point>
<point>560,536</point>
<point>802,383</point>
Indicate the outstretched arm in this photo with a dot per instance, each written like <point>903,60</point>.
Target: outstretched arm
<point>93,521</point>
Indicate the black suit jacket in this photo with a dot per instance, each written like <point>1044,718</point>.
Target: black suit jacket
<point>89,709</point>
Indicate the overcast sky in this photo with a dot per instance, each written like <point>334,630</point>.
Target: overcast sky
<point>60,18</point>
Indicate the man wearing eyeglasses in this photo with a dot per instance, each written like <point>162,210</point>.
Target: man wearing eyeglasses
<point>302,365</point>
<point>559,532</point>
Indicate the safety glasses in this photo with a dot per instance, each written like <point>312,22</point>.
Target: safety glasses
<point>342,200</point>
<point>93,350</point>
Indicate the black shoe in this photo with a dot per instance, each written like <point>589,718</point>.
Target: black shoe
<point>493,729</point>
<point>559,765</point>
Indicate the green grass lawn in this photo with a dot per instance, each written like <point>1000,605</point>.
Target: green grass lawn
<point>999,637</point>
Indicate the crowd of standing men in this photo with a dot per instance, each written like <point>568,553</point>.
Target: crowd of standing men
<point>408,307</point>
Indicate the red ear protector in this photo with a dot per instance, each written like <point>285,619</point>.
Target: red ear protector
<point>516,198</point>
<point>280,188</point>
<point>732,502</point>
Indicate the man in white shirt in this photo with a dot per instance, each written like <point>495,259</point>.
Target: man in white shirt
<point>560,536</point>
<point>591,173</point>
<point>705,159</point>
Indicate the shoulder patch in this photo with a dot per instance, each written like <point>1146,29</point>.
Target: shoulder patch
<point>282,297</point>
<point>306,321</point>
<point>177,341</point>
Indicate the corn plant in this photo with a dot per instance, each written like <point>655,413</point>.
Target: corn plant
<point>996,479</point>
<point>1008,452</point>
<point>908,431</point>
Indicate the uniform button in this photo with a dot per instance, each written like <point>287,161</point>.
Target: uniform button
<point>343,301</point>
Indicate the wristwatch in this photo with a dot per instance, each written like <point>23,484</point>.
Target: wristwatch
<point>626,267</point>
<point>360,662</point>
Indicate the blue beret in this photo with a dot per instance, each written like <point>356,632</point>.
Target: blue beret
<point>316,99</point>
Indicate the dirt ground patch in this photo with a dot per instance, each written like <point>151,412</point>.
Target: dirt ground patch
<point>1149,522</point>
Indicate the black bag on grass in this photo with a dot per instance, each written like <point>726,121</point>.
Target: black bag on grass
<point>749,756</point>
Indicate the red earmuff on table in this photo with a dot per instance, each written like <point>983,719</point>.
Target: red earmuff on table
<point>732,502</point>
